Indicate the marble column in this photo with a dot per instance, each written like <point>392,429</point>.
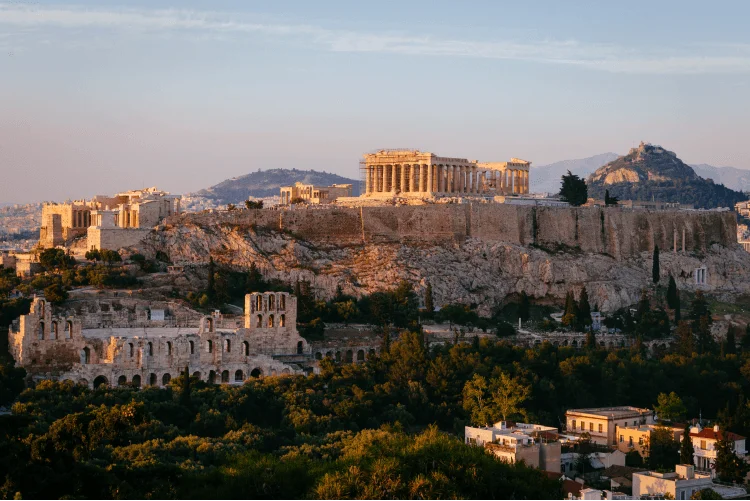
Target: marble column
<point>394,178</point>
<point>441,179</point>
<point>367,179</point>
<point>403,179</point>
<point>430,182</point>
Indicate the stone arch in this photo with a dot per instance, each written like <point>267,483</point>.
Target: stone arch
<point>245,348</point>
<point>86,355</point>
<point>238,376</point>
<point>537,342</point>
<point>565,342</point>
<point>282,320</point>
<point>338,356</point>
<point>271,302</point>
<point>258,303</point>
<point>273,372</point>
<point>197,374</point>
<point>68,329</point>
<point>210,346</point>
<point>122,381</point>
<point>150,349</point>
<point>256,373</point>
<point>329,354</point>
<point>300,347</point>
<point>210,324</point>
<point>83,381</point>
<point>136,381</point>
<point>318,355</point>
<point>372,352</point>
<point>100,380</point>
<point>622,343</point>
<point>131,350</point>
<point>601,343</point>
<point>169,347</point>
<point>285,372</point>
<point>53,330</point>
<point>192,347</point>
<point>228,345</point>
<point>225,376</point>
<point>555,343</point>
<point>270,320</point>
<point>360,355</point>
<point>166,378</point>
<point>41,330</point>
<point>152,379</point>
<point>282,302</point>
<point>349,356</point>
<point>259,323</point>
<point>574,344</point>
<point>211,377</point>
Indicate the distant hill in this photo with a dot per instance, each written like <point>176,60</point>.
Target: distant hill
<point>651,172</point>
<point>266,183</point>
<point>546,178</point>
<point>731,177</point>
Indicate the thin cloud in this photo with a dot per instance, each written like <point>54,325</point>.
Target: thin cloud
<point>687,60</point>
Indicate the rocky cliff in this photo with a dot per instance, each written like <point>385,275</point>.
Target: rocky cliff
<point>473,253</point>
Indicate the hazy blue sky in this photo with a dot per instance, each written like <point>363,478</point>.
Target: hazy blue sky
<point>101,96</point>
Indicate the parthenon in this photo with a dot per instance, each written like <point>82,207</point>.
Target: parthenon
<point>414,173</point>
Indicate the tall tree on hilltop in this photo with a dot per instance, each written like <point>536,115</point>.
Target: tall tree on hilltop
<point>211,288</point>
<point>655,266</point>
<point>672,293</point>
<point>509,396</point>
<point>573,190</point>
<point>685,339</point>
<point>730,344</point>
<point>609,201</point>
<point>686,448</point>
<point>185,393</point>
<point>584,309</point>
<point>644,306</point>
<point>699,307</point>
<point>729,466</point>
<point>524,307</point>
<point>429,305</point>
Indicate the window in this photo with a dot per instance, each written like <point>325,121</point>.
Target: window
<point>591,426</point>
<point>150,349</point>
<point>227,345</point>
<point>630,442</point>
<point>573,424</point>
<point>282,320</point>
<point>640,440</point>
<point>130,349</point>
<point>169,347</point>
<point>245,348</point>
<point>622,438</point>
<point>270,320</point>
<point>703,445</point>
<point>600,428</point>
<point>583,425</point>
<point>210,346</point>
<point>192,347</point>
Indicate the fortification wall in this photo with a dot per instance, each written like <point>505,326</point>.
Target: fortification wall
<point>621,233</point>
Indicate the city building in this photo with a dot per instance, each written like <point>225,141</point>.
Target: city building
<point>638,437</point>
<point>601,423</point>
<point>312,194</point>
<point>414,173</point>
<point>536,445</point>
<point>682,483</point>
<point>704,446</point>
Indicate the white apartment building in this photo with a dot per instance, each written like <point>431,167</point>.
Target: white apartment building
<point>535,444</point>
<point>601,423</point>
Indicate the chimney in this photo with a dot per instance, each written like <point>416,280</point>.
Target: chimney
<point>716,428</point>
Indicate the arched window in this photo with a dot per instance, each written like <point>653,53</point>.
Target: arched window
<point>270,320</point>
<point>372,353</point>
<point>150,349</point>
<point>300,347</point>
<point>136,381</point>
<point>210,346</point>
<point>256,373</point>
<point>238,376</point>
<point>282,302</point>
<point>245,348</point>
<point>165,379</point>
<point>197,375</point>
<point>225,377</point>
<point>131,350</point>
<point>338,356</point>
<point>192,348</point>
<point>152,379</point>
<point>282,320</point>
<point>100,380</point>
<point>41,330</point>
<point>86,355</point>
<point>69,329</point>
<point>361,356</point>
<point>169,347</point>
<point>41,304</point>
<point>318,356</point>
<point>258,303</point>
<point>348,356</point>
<point>329,354</point>
<point>227,345</point>
<point>53,331</point>
<point>211,377</point>
<point>271,302</point>
<point>210,324</point>
<point>122,381</point>
<point>260,321</point>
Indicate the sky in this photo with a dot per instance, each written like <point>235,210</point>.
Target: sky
<point>100,97</point>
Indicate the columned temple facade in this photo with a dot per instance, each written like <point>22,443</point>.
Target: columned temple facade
<point>413,173</point>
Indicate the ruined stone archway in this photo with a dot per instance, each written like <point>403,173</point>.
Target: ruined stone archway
<point>256,373</point>
<point>165,379</point>
<point>238,375</point>
<point>136,381</point>
<point>361,356</point>
<point>152,379</point>
<point>197,374</point>
<point>100,380</point>
<point>211,377</point>
<point>122,381</point>
<point>225,377</point>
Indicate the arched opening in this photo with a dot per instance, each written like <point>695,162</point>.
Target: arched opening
<point>211,377</point>
<point>53,332</point>
<point>165,379</point>
<point>556,343</point>
<point>41,304</point>
<point>601,343</point>
<point>238,376</point>
<point>270,320</point>
<point>210,346</point>
<point>360,355</point>
<point>318,355</point>
<point>282,321</point>
<point>329,354</point>
<point>256,373</point>
<point>169,347</point>
<point>84,382</point>
<point>259,303</point>
<point>372,352</point>
<point>260,321</point>
<point>282,302</point>
<point>300,347</point>
<point>122,381</point>
<point>136,381</point>
<point>271,302</point>
<point>210,324</point>
<point>192,348</point>
<point>41,330</point>
<point>131,350</point>
<point>286,372</point>
<point>565,342</point>
<point>150,349</point>
<point>245,348</point>
<point>87,355</point>
<point>338,356</point>
<point>197,375</point>
<point>574,344</point>
<point>100,380</point>
<point>225,377</point>
<point>152,379</point>
<point>537,342</point>
<point>227,345</point>
<point>273,372</point>
<point>69,329</point>
<point>349,356</point>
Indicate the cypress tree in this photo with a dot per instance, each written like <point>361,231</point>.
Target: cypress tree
<point>731,342</point>
<point>211,289</point>
<point>584,309</point>
<point>428,301</point>
<point>655,267</point>
<point>686,448</point>
<point>672,297</point>
<point>185,394</point>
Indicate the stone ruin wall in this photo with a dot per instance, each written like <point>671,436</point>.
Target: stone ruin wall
<point>620,233</point>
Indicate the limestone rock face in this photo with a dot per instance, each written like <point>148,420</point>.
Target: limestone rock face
<point>470,269</point>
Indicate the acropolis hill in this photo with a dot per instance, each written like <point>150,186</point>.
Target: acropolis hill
<point>472,253</point>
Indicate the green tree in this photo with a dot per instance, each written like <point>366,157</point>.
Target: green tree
<point>686,447</point>
<point>254,281</point>
<point>93,255</point>
<point>477,401</point>
<point>524,307</point>
<point>729,467</point>
<point>253,204</point>
<point>705,342</point>
<point>672,298</point>
<point>699,308</point>
<point>51,259</point>
<point>583,317</point>
<point>663,449</point>
<point>730,343</point>
<point>655,272</point>
<point>670,407</point>
<point>347,310</point>
<point>509,394</point>
<point>109,257</point>
<point>185,391</point>
<point>429,305</point>
<point>706,493</point>
<point>685,339</point>
<point>608,200</point>
<point>211,287</point>
<point>55,293</point>
<point>573,190</point>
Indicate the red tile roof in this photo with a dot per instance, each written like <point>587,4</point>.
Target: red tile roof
<point>710,433</point>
